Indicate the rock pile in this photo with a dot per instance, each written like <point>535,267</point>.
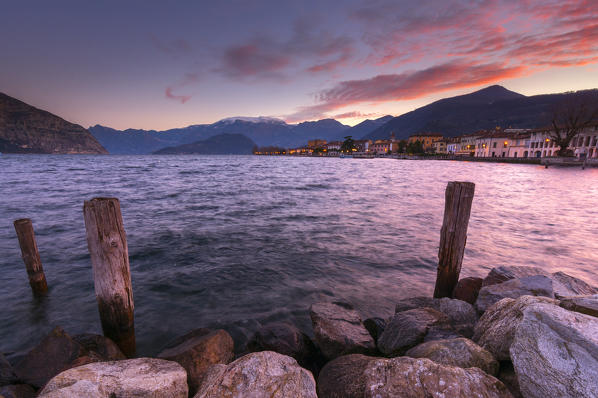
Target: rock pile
<point>536,336</point>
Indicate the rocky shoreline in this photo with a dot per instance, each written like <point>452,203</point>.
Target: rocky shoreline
<point>517,332</point>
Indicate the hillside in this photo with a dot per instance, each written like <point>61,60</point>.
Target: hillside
<point>484,109</point>
<point>25,129</point>
<point>221,144</point>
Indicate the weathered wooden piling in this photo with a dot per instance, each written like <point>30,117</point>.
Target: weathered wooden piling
<point>107,245</point>
<point>30,254</point>
<point>453,236</point>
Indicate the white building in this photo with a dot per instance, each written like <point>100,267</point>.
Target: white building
<point>585,145</point>
<point>503,144</point>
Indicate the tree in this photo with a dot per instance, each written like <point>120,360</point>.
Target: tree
<point>415,147</point>
<point>348,144</point>
<point>570,117</point>
<point>402,146</point>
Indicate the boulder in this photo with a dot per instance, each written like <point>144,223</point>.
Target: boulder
<point>375,326</point>
<point>17,391</point>
<point>7,374</point>
<point>555,353</point>
<point>460,352</point>
<point>496,328</point>
<point>105,348</point>
<point>132,378</point>
<point>422,378</point>
<point>467,289</point>
<point>409,328</point>
<point>567,285</point>
<point>55,353</point>
<point>563,284</point>
<point>197,351</point>
<point>583,304</point>
<point>284,338</point>
<point>504,273</point>
<point>461,314</point>
<point>507,375</point>
<point>536,285</point>
<point>343,377</point>
<point>338,330</point>
<point>259,374</point>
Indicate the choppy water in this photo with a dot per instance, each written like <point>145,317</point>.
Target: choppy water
<point>236,241</point>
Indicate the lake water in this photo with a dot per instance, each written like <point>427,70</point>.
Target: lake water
<point>235,241</point>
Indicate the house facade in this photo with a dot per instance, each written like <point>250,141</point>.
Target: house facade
<point>427,139</point>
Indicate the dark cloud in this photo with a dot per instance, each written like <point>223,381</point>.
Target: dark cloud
<point>265,57</point>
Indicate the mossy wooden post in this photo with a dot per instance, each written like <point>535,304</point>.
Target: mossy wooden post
<point>453,236</point>
<point>107,245</point>
<point>33,263</point>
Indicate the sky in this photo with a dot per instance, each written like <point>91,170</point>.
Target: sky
<point>165,64</point>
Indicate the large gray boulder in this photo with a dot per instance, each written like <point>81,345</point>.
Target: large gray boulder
<point>264,374</point>
<point>563,284</point>
<point>496,328</point>
<point>409,328</point>
<point>55,353</point>
<point>343,377</point>
<point>7,374</point>
<point>198,350</point>
<point>358,376</point>
<point>566,285</point>
<point>555,353</point>
<point>422,378</point>
<point>460,352</point>
<point>583,304</point>
<point>133,378</point>
<point>507,272</point>
<point>339,331</point>
<point>462,316</point>
<point>535,285</point>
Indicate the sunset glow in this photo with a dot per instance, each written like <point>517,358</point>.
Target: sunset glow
<point>156,66</point>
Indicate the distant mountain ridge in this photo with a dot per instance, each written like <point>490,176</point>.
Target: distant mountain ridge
<point>262,131</point>
<point>483,109</point>
<point>26,129</point>
<point>221,144</point>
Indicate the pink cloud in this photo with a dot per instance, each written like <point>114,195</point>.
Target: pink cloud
<point>181,98</point>
<point>405,86</point>
<point>188,79</point>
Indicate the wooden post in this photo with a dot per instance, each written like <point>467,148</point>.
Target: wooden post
<point>33,263</point>
<point>107,245</point>
<point>453,236</point>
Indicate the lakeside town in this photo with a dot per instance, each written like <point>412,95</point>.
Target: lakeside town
<point>508,144</point>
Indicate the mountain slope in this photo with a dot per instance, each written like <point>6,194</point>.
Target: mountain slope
<point>25,129</point>
<point>365,127</point>
<point>221,144</point>
<point>483,109</point>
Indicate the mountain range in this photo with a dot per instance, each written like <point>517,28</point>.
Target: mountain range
<point>26,129</point>
<point>262,131</point>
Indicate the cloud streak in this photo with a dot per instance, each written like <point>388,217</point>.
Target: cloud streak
<point>405,86</point>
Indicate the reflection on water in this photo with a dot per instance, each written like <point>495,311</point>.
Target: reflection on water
<point>237,241</point>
